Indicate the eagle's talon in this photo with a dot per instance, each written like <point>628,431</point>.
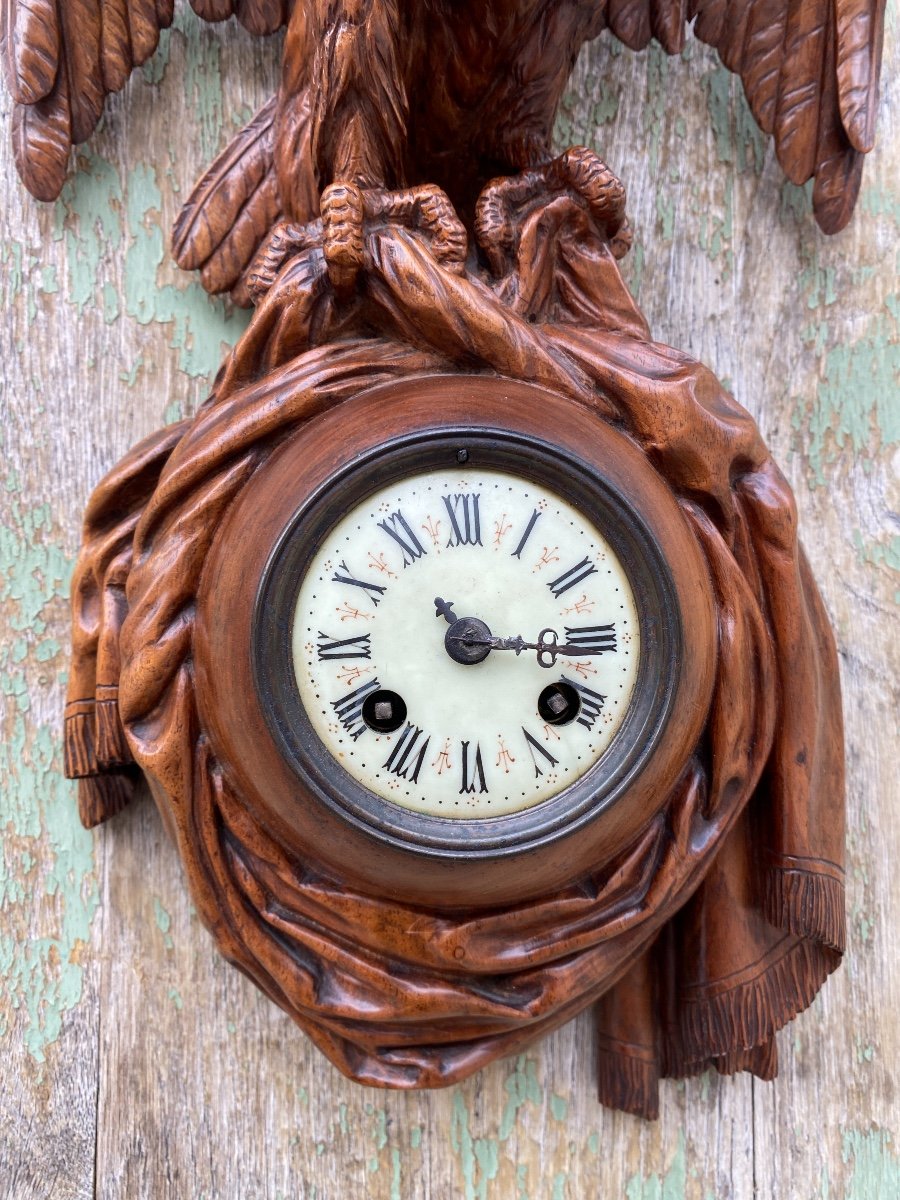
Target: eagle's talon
<point>346,208</point>
<point>284,241</point>
<point>584,173</point>
<point>343,211</point>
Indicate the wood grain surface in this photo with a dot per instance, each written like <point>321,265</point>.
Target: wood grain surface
<point>134,1062</point>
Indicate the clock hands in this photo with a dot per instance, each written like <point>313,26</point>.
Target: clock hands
<point>469,640</point>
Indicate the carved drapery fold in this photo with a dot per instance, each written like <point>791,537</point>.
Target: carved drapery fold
<point>722,920</point>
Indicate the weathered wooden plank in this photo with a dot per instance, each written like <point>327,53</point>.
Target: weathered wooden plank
<point>123,1037</point>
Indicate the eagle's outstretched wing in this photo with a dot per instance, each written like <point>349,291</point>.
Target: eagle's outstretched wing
<point>810,72</point>
<point>62,58</point>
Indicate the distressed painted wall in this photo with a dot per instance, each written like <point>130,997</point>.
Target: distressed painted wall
<point>133,1061</point>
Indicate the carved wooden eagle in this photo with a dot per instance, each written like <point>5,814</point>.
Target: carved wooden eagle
<point>388,93</point>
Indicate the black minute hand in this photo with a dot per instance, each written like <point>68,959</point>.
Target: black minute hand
<point>548,645</point>
<point>469,640</point>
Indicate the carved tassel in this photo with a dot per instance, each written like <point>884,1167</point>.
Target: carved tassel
<point>112,748</point>
<point>78,740</point>
<point>102,796</point>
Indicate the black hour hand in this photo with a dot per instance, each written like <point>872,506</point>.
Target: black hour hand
<point>445,609</point>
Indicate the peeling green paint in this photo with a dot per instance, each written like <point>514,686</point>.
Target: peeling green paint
<point>479,1158</point>
<point>203,80</point>
<point>877,201</point>
<point>865,1051</point>
<point>87,219</point>
<point>875,1168</point>
<point>883,553</point>
<point>104,219</point>
<point>163,923</point>
<point>855,409</point>
<point>48,887</point>
<point>671,1186</point>
<point>395,1173</point>
<point>202,327</point>
<point>606,109</point>
<point>716,231</point>
<point>521,1088</point>
<point>657,66</point>
<point>560,1179</point>
<point>11,257</point>
<point>522,1182</point>
<point>739,140</point>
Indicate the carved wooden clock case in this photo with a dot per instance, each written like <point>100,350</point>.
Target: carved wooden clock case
<point>464,636</point>
<point>469,737</point>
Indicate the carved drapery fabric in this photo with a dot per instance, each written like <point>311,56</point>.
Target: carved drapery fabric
<point>725,916</point>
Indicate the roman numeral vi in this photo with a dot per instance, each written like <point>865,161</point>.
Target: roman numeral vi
<point>472,770</point>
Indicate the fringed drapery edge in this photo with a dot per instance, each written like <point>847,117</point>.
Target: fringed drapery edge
<point>809,904</point>
<point>628,1078</point>
<point>748,1014</point>
<point>761,1060</point>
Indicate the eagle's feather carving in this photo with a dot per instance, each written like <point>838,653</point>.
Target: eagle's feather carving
<point>392,93</point>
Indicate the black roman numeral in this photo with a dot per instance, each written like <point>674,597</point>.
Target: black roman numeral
<point>349,709</point>
<point>534,744</point>
<point>571,577</point>
<point>352,647</point>
<point>592,639</point>
<point>591,703</point>
<point>517,553</point>
<point>473,773</point>
<point>373,590</point>
<point>465,518</point>
<point>401,757</point>
<point>400,531</point>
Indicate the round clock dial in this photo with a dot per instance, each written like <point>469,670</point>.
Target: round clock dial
<point>465,643</point>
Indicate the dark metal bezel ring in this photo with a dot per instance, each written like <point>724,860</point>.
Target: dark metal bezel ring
<point>659,667</point>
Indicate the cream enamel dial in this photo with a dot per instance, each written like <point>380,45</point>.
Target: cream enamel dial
<point>465,643</point>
